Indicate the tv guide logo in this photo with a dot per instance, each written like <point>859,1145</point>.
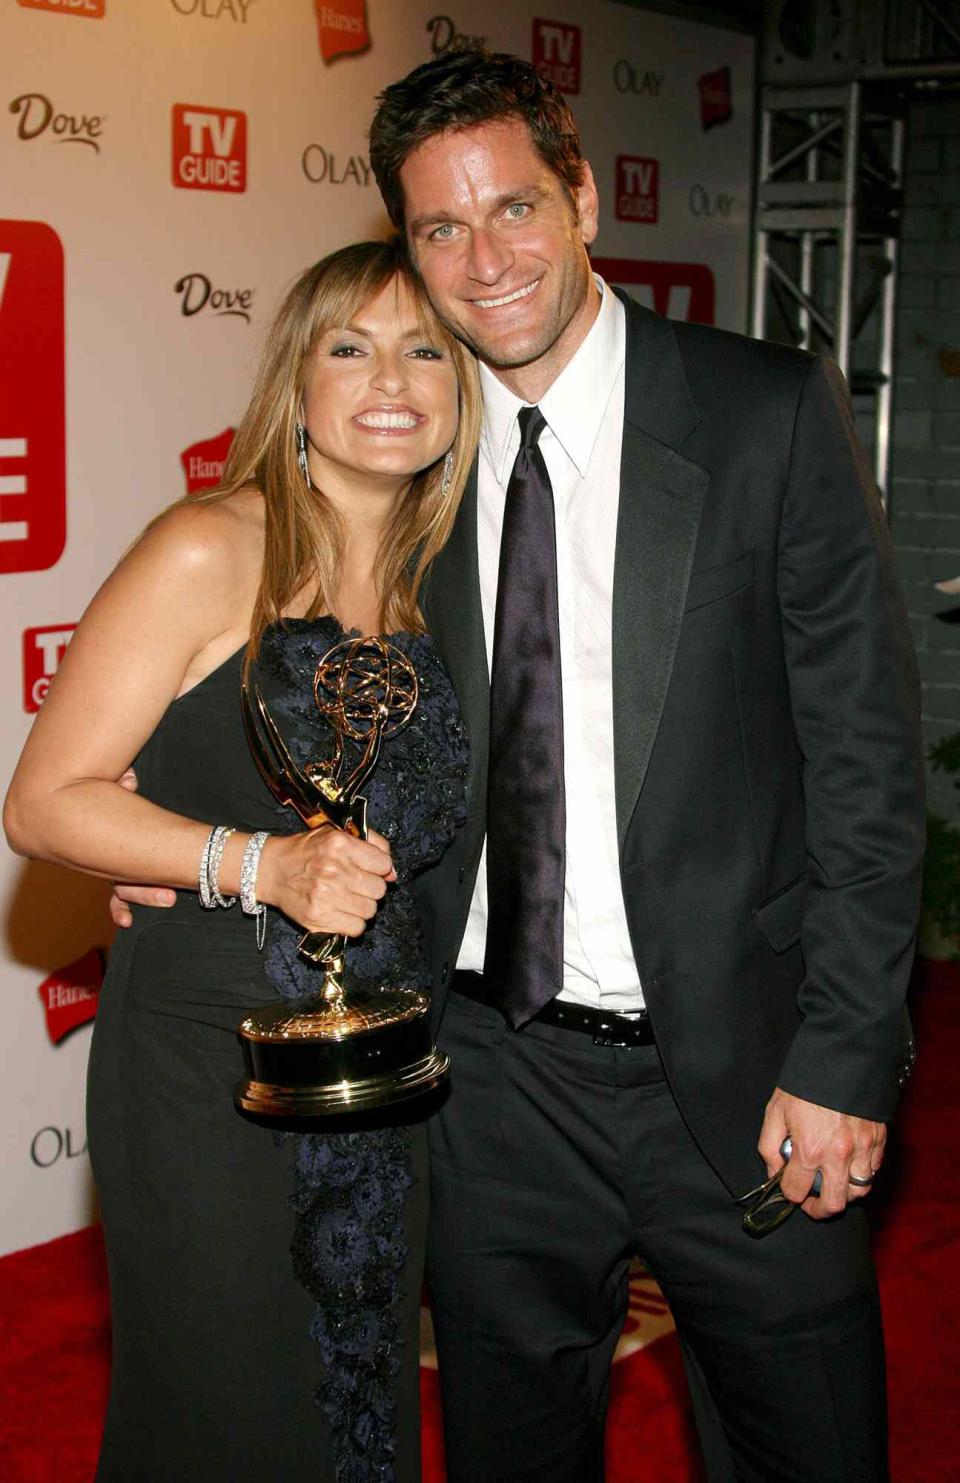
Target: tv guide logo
<point>209,148</point>
<point>556,54</point>
<point>33,485</point>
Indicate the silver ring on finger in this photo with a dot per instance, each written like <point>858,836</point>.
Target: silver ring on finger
<point>859,1181</point>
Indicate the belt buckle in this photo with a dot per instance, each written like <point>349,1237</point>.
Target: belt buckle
<point>610,1036</point>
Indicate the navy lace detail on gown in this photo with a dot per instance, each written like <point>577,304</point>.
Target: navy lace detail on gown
<point>348,1246</point>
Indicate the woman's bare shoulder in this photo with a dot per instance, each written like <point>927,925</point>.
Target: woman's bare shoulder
<point>212,540</point>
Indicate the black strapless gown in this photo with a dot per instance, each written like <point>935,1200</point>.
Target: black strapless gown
<point>265,1289</point>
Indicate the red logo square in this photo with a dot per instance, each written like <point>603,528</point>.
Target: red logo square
<point>43,649</point>
<point>675,290</point>
<point>638,189</point>
<point>71,994</point>
<point>342,26</point>
<point>556,54</point>
<point>209,148</point>
<point>716,98</point>
<point>203,462</point>
<point>33,483</point>
<point>92,8</point>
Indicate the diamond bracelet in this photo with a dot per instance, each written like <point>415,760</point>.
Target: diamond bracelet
<point>249,866</point>
<point>210,861</point>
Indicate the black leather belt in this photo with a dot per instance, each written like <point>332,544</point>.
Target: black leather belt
<point>621,1030</point>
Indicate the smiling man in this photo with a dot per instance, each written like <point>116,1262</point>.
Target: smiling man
<point>682,915</point>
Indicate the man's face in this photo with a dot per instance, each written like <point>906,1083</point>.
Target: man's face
<point>500,245</point>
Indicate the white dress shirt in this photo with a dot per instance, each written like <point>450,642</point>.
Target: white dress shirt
<point>581,448</point>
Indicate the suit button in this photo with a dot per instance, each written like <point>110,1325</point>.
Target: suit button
<point>461,874</point>
<point>444,971</point>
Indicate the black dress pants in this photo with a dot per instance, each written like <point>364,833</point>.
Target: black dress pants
<point>555,1161</point>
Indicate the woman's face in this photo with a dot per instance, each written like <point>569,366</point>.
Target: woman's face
<point>380,398</point>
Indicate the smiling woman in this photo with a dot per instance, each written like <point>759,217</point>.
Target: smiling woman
<point>266,1296</point>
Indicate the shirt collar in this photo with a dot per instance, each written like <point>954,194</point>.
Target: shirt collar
<point>574,405</point>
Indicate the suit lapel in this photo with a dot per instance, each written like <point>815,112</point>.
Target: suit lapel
<point>661,498</point>
<point>455,618</point>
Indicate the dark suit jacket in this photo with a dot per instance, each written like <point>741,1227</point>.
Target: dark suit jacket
<point>769,774</point>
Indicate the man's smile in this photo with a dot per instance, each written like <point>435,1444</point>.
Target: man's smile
<point>511,298</point>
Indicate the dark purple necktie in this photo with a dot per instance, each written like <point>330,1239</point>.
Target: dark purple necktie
<point>526,811</point>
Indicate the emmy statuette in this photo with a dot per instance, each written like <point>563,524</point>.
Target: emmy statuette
<point>339,1050</point>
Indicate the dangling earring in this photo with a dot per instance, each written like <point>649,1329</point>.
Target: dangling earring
<point>302,453</point>
<point>446,478</point>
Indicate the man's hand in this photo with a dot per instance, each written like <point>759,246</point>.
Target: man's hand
<point>126,896</point>
<point>839,1145</point>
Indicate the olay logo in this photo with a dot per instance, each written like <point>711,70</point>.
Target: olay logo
<point>214,10</point>
<point>675,290</point>
<point>716,98</point>
<point>198,293</point>
<point>92,8</point>
<point>343,28</point>
<point>36,116</point>
<point>43,649</point>
<point>209,148</point>
<point>637,196</point>
<point>444,36</point>
<point>705,202</point>
<point>51,1144</point>
<point>321,166</point>
<point>630,79</point>
<point>556,54</point>
<point>70,995</point>
<point>33,524</point>
<point>203,462</point>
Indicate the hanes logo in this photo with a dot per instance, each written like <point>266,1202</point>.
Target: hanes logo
<point>716,98</point>
<point>36,116</point>
<point>209,148</point>
<point>43,649</point>
<point>198,293</point>
<point>203,462</point>
<point>92,8</point>
<point>556,54</point>
<point>32,444</point>
<point>70,995</point>
<point>638,189</point>
<point>343,28</point>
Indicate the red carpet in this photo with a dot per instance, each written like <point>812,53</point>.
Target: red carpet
<point>54,1343</point>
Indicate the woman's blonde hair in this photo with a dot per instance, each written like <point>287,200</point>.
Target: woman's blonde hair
<point>303,542</point>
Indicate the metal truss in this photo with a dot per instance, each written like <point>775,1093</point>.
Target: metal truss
<point>839,76</point>
<point>827,229</point>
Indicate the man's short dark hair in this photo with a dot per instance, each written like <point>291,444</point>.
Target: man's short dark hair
<point>457,90</point>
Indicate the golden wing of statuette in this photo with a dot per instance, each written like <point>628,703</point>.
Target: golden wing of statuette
<point>288,783</point>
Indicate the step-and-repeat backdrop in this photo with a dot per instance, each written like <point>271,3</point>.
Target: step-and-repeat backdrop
<point>166,168</point>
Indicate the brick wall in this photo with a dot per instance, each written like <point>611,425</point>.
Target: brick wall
<point>926,438</point>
